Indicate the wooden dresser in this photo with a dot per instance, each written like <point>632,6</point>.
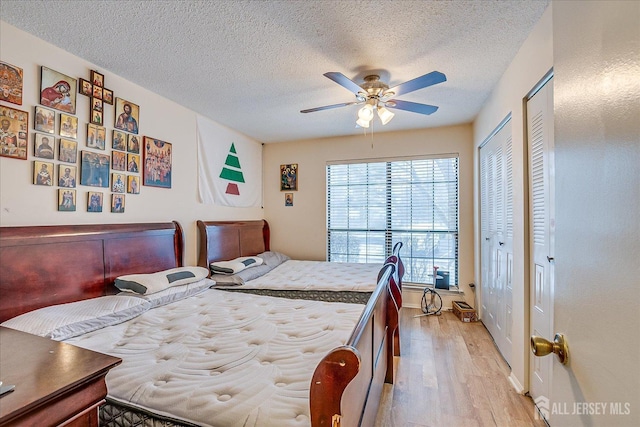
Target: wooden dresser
<point>56,383</point>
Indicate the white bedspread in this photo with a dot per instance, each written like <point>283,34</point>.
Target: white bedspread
<point>318,276</point>
<point>224,359</point>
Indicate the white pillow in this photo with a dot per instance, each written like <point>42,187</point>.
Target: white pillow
<point>63,321</point>
<point>155,282</point>
<point>175,293</point>
<point>236,265</point>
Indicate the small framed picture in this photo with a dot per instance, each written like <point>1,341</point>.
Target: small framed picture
<point>127,116</point>
<point>68,151</point>
<point>96,104</point>
<point>94,169</point>
<point>133,144</point>
<point>66,200</point>
<point>94,201</point>
<point>107,96</point>
<point>43,146</point>
<point>117,203</point>
<point>45,120</point>
<point>288,199</point>
<point>96,92</point>
<point>118,182</point>
<point>86,88</point>
<point>68,126</point>
<point>14,129</point>
<point>119,140</point>
<point>157,163</point>
<point>96,117</point>
<point>133,163</point>
<point>96,136</point>
<point>97,79</point>
<point>42,173</point>
<point>289,177</point>
<point>58,91</point>
<point>11,82</point>
<point>67,176</point>
<point>118,160</point>
<point>133,184</point>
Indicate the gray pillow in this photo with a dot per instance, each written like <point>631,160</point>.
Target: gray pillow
<point>273,259</point>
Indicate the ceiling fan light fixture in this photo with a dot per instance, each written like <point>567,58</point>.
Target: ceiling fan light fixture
<point>366,113</point>
<point>385,115</point>
<point>363,123</point>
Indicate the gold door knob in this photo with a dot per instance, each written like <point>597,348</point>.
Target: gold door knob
<point>541,347</point>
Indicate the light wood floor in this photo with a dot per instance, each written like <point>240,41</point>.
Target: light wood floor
<point>451,374</point>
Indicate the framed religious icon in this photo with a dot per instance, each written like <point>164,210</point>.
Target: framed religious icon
<point>57,90</point>
<point>68,151</point>
<point>14,129</point>
<point>133,163</point>
<point>127,116</point>
<point>42,173</point>
<point>45,120</point>
<point>96,104</point>
<point>66,176</point>
<point>289,177</point>
<point>288,199</point>
<point>119,140</point>
<point>11,81</point>
<point>94,169</point>
<point>68,126</point>
<point>97,79</point>
<point>117,203</point>
<point>107,96</point>
<point>66,200</point>
<point>118,160</point>
<point>94,201</point>
<point>97,92</point>
<point>43,146</point>
<point>133,144</point>
<point>86,88</point>
<point>118,182</point>
<point>96,136</point>
<point>96,117</point>
<point>133,184</point>
<point>157,163</point>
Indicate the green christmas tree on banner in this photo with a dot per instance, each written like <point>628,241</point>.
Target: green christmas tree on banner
<point>232,171</point>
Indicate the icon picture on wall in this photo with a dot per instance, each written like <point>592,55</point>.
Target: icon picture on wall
<point>288,199</point>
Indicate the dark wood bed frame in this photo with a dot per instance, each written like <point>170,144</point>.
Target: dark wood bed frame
<point>47,265</point>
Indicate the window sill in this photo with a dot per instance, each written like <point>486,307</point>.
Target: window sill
<point>453,290</point>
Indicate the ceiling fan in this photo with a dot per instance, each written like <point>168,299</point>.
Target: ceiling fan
<point>377,95</point>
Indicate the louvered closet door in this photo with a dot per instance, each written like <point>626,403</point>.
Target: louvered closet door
<point>496,223</point>
<point>541,191</point>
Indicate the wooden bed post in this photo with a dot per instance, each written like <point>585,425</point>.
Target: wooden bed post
<point>330,378</point>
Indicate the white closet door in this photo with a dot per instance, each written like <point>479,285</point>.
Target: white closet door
<point>496,224</point>
<point>541,185</point>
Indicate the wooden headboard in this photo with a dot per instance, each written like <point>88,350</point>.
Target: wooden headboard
<point>226,240</point>
<point>47,265</point>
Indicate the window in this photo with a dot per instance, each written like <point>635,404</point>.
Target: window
<point>371,206</point>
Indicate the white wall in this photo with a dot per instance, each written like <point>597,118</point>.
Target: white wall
<point>597,157</point>
<point>301,230</point>
<point>22,203</point>
<point>532,62</point>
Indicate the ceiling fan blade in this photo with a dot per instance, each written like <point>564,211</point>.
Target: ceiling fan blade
<point>345,82</point>
<point>411,106</point>
<point>430,79</point>
<point>328,107</point>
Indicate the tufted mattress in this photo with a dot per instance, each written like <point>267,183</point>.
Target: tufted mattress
<point>318,276</point>
<point>223,359</point>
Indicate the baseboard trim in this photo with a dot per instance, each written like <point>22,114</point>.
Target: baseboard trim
<point>516,384</point>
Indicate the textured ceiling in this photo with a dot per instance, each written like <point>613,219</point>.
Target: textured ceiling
<point>253,65</point>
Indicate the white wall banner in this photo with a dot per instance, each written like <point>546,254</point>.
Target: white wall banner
<point>229,166</point>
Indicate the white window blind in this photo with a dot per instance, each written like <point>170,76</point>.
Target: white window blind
<point>371,206</point>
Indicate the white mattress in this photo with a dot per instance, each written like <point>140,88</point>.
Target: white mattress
<point>224,359</point>
<point>318,276</point>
